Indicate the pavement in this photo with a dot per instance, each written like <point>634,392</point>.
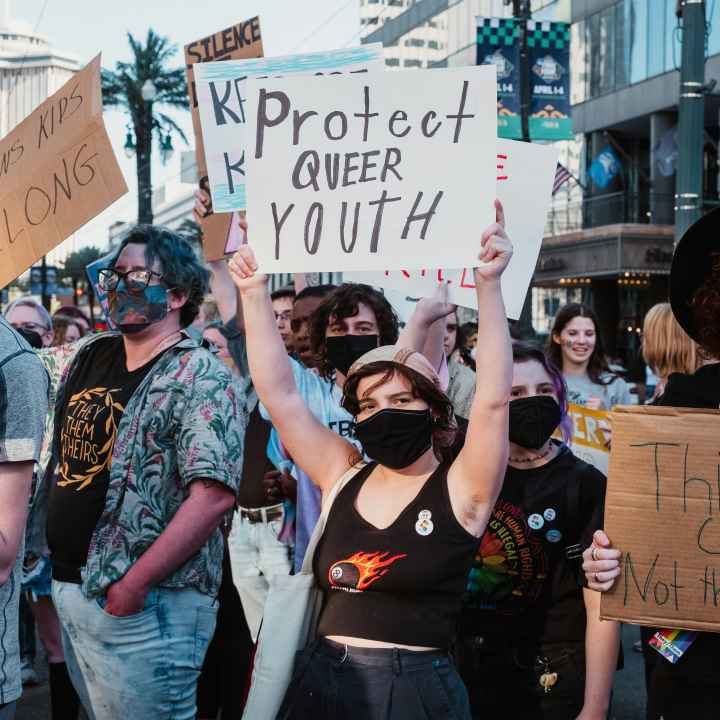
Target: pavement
<point>628,694</point>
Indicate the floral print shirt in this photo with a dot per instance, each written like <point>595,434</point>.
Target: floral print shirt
<point>186,421</point>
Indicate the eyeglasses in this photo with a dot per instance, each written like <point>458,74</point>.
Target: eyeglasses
<point>284,316</point>
<point>135,280</point>
<point>32,327</point>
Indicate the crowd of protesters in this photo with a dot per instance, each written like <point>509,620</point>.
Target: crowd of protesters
<point>156,478</point>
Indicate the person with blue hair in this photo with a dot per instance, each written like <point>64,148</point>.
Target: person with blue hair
<point>143,466</point>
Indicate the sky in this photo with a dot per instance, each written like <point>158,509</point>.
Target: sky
<point>85,27</point>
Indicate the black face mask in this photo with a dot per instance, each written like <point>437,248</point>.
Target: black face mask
<point>343,350</point>
<point>533,420</point>
<point>395,438</point>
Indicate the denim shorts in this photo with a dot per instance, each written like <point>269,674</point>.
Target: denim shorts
<point>141,666</point>
<point>338,681</point>
<point>37,577</point>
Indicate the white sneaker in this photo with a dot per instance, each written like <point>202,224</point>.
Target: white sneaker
<point>28,674</point>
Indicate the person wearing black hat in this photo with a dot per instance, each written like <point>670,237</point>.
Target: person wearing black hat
<point>688,688</point>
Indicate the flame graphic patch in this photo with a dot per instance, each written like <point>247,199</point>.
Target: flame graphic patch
<point>358,572</point>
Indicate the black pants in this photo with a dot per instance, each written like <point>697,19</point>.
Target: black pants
<point>690,689</point>
<point>334,681</point>
<point>504,681</point>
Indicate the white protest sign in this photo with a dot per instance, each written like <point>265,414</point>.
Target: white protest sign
<point>525,175</point>
<point>365,172</point>
<point>224,108</point>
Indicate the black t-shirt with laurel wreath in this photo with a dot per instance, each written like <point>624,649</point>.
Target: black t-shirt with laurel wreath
<point>97,392</point>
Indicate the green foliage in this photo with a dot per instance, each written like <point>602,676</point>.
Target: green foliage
<point>123,87</point>
<point>76,262</point>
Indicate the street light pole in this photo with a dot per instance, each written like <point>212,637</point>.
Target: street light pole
<point>521,12</point>
<point>691,123</point>
<point>143,140</point>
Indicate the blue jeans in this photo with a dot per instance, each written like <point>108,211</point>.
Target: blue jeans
<point>140,666</point>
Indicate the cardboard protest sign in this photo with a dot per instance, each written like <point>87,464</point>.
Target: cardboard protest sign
<point>588,441</point>
<point>663,511</point>
<point>525,174</point>
<point>369,171</point>
<point>57,171</point>
<point>239,41</point>
<point>224,108</point>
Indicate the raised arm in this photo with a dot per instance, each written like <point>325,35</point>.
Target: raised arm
<point>425,330</point>
<point>221,284</point>
<point>321,453</point>
<point>476,476</point>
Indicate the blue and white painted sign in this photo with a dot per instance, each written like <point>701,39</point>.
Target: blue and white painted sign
<point>223,104</point>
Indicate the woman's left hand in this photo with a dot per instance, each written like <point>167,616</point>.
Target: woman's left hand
<point>496,249</point>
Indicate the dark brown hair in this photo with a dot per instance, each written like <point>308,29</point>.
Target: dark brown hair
<point>344,302</point>
<point>705,306</point>
<point>444,425</point>
<point>597,367</point>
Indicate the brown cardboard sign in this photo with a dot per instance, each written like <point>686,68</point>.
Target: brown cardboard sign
<point>57,171</point>
<point>238,42</point>
<point>663,511</point>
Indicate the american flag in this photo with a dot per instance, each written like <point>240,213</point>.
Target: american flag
<point>562,175</point>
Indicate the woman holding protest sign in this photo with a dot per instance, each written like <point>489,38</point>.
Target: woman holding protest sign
<point>403,529</point>
<point>575,345</point>
<point>531,643</point>
<point>685,687</point>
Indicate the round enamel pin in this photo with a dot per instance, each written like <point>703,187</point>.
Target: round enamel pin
<point>550,514</point>
<point>536,521</point>
<point>553,536</point>
<point>424,525</point>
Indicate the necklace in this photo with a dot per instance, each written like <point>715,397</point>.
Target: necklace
<point>534,458</point>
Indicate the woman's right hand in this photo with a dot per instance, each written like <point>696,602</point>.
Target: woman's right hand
<point>243,268</point>
<point>203,204</point>
<point>601,563</point>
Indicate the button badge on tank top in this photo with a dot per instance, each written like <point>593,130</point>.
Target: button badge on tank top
<point>424,525</point>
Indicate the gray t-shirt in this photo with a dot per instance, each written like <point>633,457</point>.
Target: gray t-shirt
<point>615,392</point>
<point>23,407</point>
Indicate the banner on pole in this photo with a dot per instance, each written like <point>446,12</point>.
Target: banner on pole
<point>57,171</point>
<point>498,44</point>
<point>524,180</point>
<point>238,41</point>
<point>224,108</point>
<point>661,511</point>
<point>369,171</point>
<point>549,62</point>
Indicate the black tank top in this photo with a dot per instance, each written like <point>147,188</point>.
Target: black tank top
<point>403,584</point>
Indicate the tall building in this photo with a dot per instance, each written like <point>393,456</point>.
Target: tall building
<point>30,69</point>
<point>608,244</point>
<point>421,47</point>
<point>613,245</point>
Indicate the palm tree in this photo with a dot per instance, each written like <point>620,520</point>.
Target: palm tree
<point>139,87</point>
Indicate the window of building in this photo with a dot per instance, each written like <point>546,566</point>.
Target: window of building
<point>621,62</point>
<point>395,3</point>
<point>601,50</point>
<point>415,42</point>
<point>412,63</point>
<point>712,25</point>
<point>392,62</point>
<point>636,21</point>
<point>673,48</point>
<point>656,43</point>
<point>433,45</point>
<point>578,63</point>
